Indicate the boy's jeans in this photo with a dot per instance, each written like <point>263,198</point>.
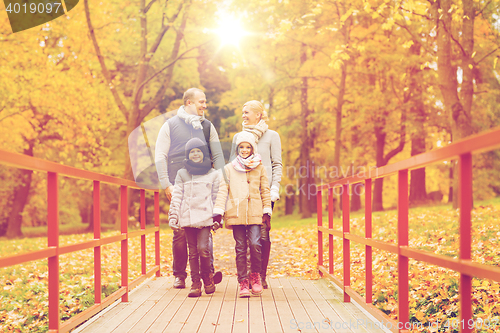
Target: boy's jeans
<point>200,251</point>
<point>180,254</point>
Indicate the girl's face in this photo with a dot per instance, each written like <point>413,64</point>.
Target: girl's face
<point>245,149</point>
<point>196,155</point>
<point>250,117</point>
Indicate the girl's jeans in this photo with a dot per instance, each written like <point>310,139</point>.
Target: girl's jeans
<point>240,234</point>
<point>200,251</point>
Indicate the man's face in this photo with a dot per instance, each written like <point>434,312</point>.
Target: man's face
<point>198,105</point>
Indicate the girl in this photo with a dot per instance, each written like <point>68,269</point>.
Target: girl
<point>195,191</point>
<point>269,146</point>
<point>248,207</point>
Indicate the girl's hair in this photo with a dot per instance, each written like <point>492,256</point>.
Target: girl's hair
<point>257,107</point>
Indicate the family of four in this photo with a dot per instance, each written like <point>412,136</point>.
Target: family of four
<point>202,191</point>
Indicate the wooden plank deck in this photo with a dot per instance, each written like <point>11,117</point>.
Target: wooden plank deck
<point>289,305</point>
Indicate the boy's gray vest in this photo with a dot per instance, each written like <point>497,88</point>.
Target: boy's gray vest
<point>180,134</point>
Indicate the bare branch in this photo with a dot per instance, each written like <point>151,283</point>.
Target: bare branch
<point>453,38</point>
<point>481,11</point>
<point>107,24</point>
<point>105,71</point>
<point>175,51</point>
<point>486,56</point>
<point>167,66</point>
<point>149,6</point>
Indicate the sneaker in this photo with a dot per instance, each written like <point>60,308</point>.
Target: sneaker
<point>217,277</point>
<point>195,289</point>
<point>256,283</point>
<point>264,283</point>
<point>208,281</point>
<point>244,292</point>
<point>179,282</point>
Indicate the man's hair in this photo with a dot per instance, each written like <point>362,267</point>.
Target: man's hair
<point>189,94</point>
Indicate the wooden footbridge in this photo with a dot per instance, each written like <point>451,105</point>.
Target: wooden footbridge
<point>290,305</point>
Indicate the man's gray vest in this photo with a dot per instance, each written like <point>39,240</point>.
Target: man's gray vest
<point>180,134</point>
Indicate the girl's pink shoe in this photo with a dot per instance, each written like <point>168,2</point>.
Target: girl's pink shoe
<point>256,283</point>
<point>244,292</point>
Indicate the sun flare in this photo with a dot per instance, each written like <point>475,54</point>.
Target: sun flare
<point>230,31</point>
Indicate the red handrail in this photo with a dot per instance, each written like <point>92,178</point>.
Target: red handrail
<point>53,250</point>
<point>462,150</point>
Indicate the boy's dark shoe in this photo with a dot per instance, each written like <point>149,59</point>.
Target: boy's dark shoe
<point>195,289</point>
<point>264,283</point>
<point>217,277</point>
<point>208,281</point>
<point>179,282</point>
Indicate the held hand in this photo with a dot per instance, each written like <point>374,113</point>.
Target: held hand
<point>174,224</point>
<point>168,192</point>
<point>275,194</point>
<point>266,220</point>
<point>217,222</point>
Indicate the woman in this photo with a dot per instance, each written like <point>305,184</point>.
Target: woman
<point>269,147</point>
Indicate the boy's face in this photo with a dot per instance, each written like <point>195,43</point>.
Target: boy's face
<point>245,149</point>
<point>196,155</point>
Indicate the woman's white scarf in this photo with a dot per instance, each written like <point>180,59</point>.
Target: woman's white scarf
<point>190,119</point>
<point>246,164</point>
<point>257,130</point>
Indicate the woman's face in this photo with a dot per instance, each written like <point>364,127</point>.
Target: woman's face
<point>245,149</point>
<point>250,117</point>
<point>196,155</point>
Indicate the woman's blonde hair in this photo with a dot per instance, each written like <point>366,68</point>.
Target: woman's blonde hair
<point>257,107</point>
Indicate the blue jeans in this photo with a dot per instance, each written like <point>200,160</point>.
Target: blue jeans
<point>240,234</point>
<point>200,251</point>
<point>180,254</point>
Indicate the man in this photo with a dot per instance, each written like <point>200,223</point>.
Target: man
<point>169,156</point>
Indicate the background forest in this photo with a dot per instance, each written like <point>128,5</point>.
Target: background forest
<point>349,86</point>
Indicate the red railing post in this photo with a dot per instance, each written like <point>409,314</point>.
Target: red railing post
<point>346,242</point>
<point>157,233</point>
<point>403,306</point>
<point>53,241</point>
<point>368,234</point>
<point>97,249</point>
<point>143,227</point>
<point>124,242</point>
<point>465,202</point>
<point>330,226</point>
<point>320,223</point>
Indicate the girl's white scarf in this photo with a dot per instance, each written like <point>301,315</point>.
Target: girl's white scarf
<point>257,130</point>
<point>190,119</point>
<point>246,164</point>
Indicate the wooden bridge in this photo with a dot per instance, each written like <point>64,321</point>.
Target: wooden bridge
<point>290,305</point>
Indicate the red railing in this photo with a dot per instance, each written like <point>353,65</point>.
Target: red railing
<point>468,269</point>
<point>53,250</point>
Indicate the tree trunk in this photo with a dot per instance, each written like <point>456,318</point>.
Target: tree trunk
<point>356,191</point>
<point>378,184</point>
<point>418,193</point>
<point>21,193</point>
<point>447,71</point>
<point>306,144</point>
